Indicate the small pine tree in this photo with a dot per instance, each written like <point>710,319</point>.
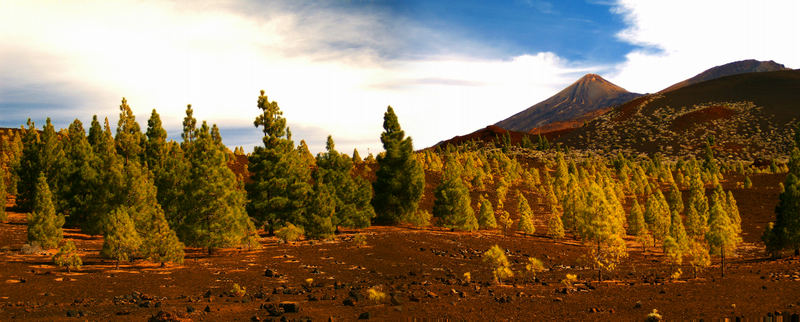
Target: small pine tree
<point>636,223</point>
<point>533,266</point>
<point>486,214</point>
<point>555,227</point>
<point>120,239</point>
<point>504,222</point>
<point>525,215</point>
<point>698,256</point>
<point>452,204</point>
<point>44,226</point>
<point>498,262</point>
<point>722,235</point>
<point>747,183</point>
<point>68,257</point>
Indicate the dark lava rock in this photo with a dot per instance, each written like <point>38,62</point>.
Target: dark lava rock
<point>272,309</point>
<point>270,273</point>
<point>363,316</point>
<point>190,309</point>
<point>162,316</point>
<point>207,309</point>
<point>349,302</point>
<point>290,307</point>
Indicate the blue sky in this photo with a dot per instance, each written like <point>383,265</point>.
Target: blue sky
<point>447,67</point>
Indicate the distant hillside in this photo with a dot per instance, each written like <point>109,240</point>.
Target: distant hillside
<point>587,95</point>
<point>750,115</point>
<point>734,68</point>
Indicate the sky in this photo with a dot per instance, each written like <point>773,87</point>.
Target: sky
<point>446,67</point>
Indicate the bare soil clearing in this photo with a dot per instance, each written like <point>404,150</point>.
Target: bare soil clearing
<point>421,271</point>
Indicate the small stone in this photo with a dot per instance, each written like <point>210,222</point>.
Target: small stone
<point>190,309</point>
<point>558,299</point>
<point>364,316</point>
<point>207,309</point>
<point>638,305</point>
<point>349,302</point>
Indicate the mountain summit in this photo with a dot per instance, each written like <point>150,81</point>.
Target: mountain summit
<point>591,93</point>
<point>734,68</point>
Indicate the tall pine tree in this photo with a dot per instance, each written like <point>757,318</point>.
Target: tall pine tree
<point>279,191</point>
<point>400,179</point>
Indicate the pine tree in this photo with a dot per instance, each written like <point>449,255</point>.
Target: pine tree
<point>120,240</point>
<point>452,203</point>
<point>785,232</point>
<point>486,218</point>
<point>356,158</point>
<point>504,222</point>
<point>29,166</point>
<point>675,200</point>
<point>351,196</point>
<point>598,224</point>
<point>278,192</point>
<point>155,146</point>
<point>215,213</point>
<point>78,177</point>
<point>525,215</point>
<point>678,233</point>
<point>106,191</point>
<point>400,179</point>
<point>305,154</point>
<point>657,216</point>
<point>636,223</point>
<point>696,226</point>
<point>698,256</point>
<point>555,228</point>
<point>722,235</point>
<point>697,197</point>
<point>3,195</point>
<point>44,226</point>
<point>129,139</point>
<point>319,222</point>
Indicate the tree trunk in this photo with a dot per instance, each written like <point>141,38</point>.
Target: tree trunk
<point>599,269</point>
<point>723,262</point>
<point>797,252</point>
<point>117,266</point>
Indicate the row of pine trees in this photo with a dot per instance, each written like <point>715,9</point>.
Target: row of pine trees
<point>150,196</point>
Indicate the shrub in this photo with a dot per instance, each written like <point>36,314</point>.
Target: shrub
<point>467,277</point>
<point>289,233</point>
<point>747,183</point>
<point>68,256</point>
<point>499,264</point>
<point>569,280</point>
<point>420,218</point>
<point>360,240</point>
<point>237,290</point>
<point>376,295</point>
<point>653,316</point>
<point>309,282</point>
<point>533,266</point>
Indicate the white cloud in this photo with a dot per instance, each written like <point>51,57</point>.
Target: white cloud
<point>684,37</point>
<point>328,68</point>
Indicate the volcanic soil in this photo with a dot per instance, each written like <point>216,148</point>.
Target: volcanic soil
<point>420,270</point>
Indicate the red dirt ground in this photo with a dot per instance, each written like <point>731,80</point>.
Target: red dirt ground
<point>697,118</point>
<point>423,268</point>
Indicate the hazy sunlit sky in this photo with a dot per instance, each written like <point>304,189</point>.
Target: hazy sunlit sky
<point>447,67</point>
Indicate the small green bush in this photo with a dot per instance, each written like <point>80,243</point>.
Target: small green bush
<point>419,218</point>
<point>360,240</point>
<point>289,233</point>
<point>68,257</point>
<point>237,290</point>
<point>376,295</point>
<point>499,264</point>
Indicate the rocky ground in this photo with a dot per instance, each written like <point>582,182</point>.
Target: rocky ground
<point>420,270</point>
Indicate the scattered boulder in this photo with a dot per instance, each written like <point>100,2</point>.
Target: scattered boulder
<point>290,307</point>
<point>364,316</point>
